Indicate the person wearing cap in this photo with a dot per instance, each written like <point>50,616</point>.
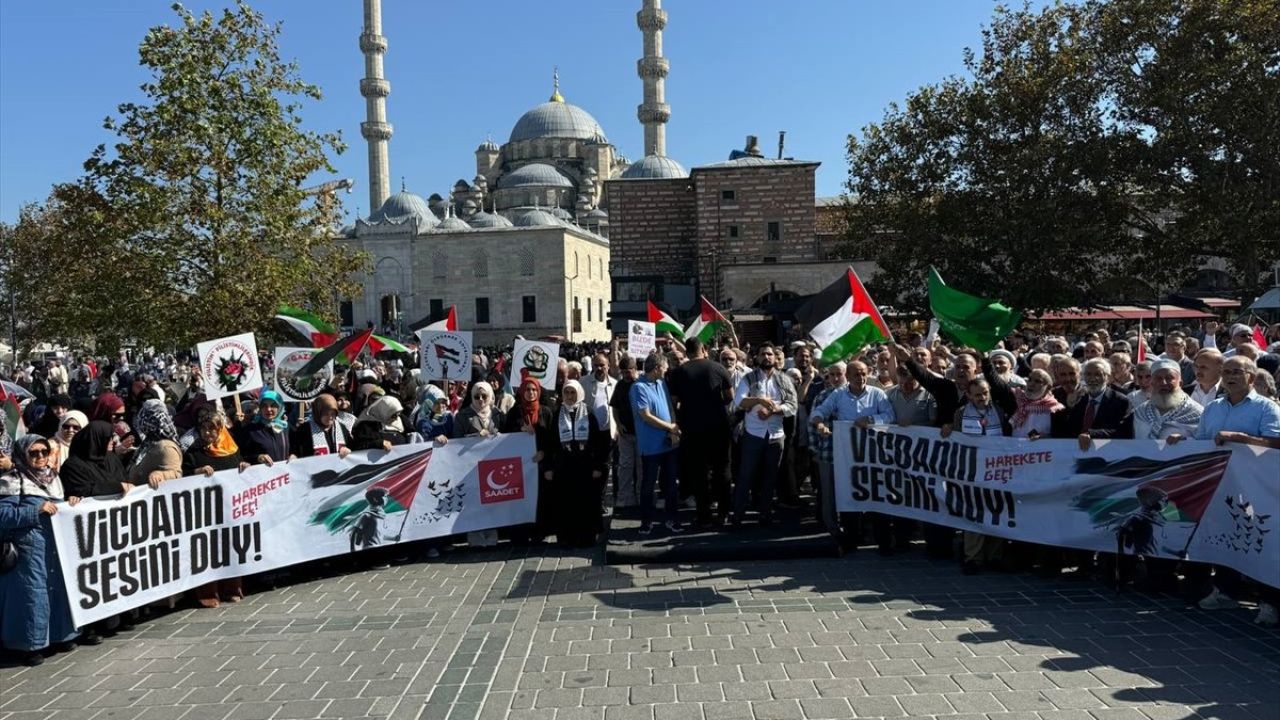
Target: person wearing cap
<point>1169,410</point>
<point>1003,363</point>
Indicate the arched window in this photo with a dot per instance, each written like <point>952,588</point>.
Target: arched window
<point>575,263</point>
<point>527,261</point>
<point>589,268</point>
<point>480,264</point>
<point>439,264</point>
<point>600,268</point>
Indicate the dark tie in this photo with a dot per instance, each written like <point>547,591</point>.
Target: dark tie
<point>1089,413</point>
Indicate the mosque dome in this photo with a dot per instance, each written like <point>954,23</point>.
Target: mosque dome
<point>563,214</point>
<point>489,220</point>
<point>538,175</point>
<point>535,217</point>
<point>452,224</point>
<point>598,214</point>
<point>404,205</point>
<point>654,166</point>
<point>557,118</point>
<point>488,146</point>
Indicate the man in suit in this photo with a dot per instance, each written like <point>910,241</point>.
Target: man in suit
<point>1207,386</point>
<point>1100,413</point>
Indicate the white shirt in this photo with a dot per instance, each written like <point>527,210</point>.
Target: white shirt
<point>598,395</point>
<point>1204,397</point>
<point>767,386</point>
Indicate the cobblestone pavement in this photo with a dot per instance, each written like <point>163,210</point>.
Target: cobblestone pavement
<point>488,634</point>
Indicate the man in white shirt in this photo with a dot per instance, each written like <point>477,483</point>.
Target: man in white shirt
<point>765,396</point>
<point>1208,384</point>
<point>1170,410</point>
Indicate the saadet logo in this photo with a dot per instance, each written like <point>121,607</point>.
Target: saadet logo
<point>501,480</point>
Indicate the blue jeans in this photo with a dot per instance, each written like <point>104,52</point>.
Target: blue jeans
<point>763,456</point>
<point>664,463</point>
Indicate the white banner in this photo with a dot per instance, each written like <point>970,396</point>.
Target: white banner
<point>641,338</point>
<point>1193,500</point>
<point>229,366</point>
<point>446,355</point>
<point>151,544</point>
<point>292,387</point>
<point>537,360</point>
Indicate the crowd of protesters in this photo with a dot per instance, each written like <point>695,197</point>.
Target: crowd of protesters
<point>735,434</point>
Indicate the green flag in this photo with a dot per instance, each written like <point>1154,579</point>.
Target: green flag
<point>974,321</point>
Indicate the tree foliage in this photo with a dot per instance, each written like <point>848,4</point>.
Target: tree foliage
<point>195,223</point>
<point>1090,146</point>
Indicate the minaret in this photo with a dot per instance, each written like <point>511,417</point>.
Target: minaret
<point>375,129</point>
<point>652,68</point>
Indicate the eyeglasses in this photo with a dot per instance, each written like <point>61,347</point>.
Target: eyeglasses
<point>37,453</point>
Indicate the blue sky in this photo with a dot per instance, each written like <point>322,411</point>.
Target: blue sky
<point>819,69</point>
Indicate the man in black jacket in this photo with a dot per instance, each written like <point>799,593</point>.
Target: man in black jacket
<point>1101,413</point>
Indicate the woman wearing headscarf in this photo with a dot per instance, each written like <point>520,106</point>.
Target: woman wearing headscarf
<point>215,450</point>
<point>266,439</point>
<point>158,458</point>
<point>91,468</point>
<point>578,456</point>
<point>46,425</point>
<point>72,423</point>
<point>34,611</point>
<point>187,421</point>
<point>380,426</point>
<point>433,419</point>
<point>531,416</point>
<point>478,419</point>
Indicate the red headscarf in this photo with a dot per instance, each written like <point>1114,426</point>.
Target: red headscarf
<point>531,410</point>
<point>104,406</point>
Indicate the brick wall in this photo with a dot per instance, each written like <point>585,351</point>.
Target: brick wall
<point>652,228</point>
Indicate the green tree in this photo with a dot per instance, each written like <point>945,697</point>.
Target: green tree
<point>196,222</point>
<point>1046,174</point>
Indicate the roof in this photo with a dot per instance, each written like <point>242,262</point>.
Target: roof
<point>1123,312</point>
<point>654,166</point>
<point>452,224</point>
<point>556,119</point>
<point>534,175</point>
<point>752,161</point>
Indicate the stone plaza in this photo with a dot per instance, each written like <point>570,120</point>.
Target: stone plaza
<point>500,633</point>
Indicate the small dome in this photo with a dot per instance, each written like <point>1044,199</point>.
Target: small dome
<point>534,175</point>
<point>347,231</point>
<point>452,224</point>
<point>404,205</point>
<point>489,220</point>
<point>488,146</point>
<point>535,217</point>
<point>469,206</point>
<point>598,214</point>
<point>557,119</point>
<point>654,166</point>
<point>562,214</point>
<point>597,139</point>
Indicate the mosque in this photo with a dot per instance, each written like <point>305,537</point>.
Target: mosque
<point>587,236</point>
<point>536,209</point>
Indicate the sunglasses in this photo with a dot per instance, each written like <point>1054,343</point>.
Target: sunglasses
<point>37,453</point>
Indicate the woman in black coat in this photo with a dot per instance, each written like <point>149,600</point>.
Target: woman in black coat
<point>578,455</point>
<point>91,468</point>
<point>530,415</point>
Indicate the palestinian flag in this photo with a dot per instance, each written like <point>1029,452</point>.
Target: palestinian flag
<point>448,320</point>
<point>11,414</point>
<point>1182,487</point>
<point>842,319</point>
<point>378,343</point>
<point>317,332</point>
<point>447,354</point>
<point>399,479</point>
<point>664,322</point>
<point>708,323</point>
<point>971,320</point>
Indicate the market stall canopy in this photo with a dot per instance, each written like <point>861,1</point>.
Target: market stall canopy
<point>1121,312</point>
